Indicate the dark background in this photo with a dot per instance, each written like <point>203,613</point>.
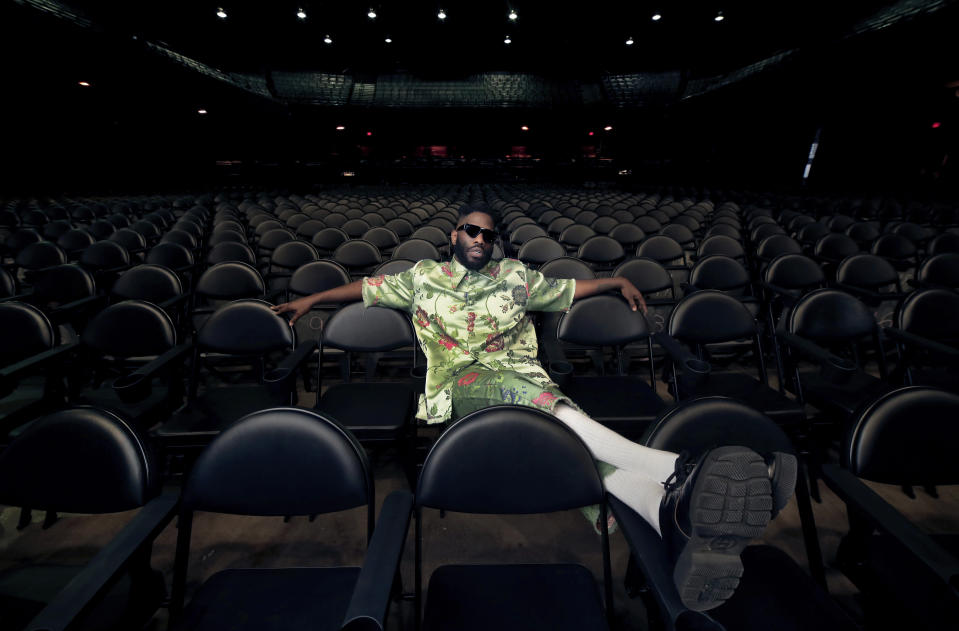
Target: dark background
<point>872,94</point>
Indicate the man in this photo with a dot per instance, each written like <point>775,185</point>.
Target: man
<point>470,315</point>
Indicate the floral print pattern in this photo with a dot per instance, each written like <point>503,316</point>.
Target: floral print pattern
<point>475,323</point>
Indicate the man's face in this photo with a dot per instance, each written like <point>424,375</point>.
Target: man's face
<point>472,252</point>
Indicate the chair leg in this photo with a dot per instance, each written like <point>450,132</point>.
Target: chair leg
<point>807,521</point>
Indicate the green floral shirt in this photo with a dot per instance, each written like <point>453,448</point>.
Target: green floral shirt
<point>471,323</point>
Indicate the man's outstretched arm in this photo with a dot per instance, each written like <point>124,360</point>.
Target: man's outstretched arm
<point>585,288</point>
<point>344,293</point>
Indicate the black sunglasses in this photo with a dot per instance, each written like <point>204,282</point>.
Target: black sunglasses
<point>474,231</point>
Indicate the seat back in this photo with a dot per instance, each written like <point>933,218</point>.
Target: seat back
<point>317,276</point>
<point>45,470</point>
<point>132,328</point>
<point>567,267</point>
<point>931,313</point>
<point>794,271</point>
<point>539,250</point>
<point>24,332</point>
<point>907,436</point>
<point>940,270</point>
<point>602,320</point>
<point>245,327</point>
<point>172,255</point>
<point>281,461</point>
<point>153,283</point>
<point>227,251</point>
<point>721,273</point>
<point>867,271</point>
<point>229,281</point>
<point>368,329</point>
<point>700,424</point>
<point>416,250</point>
<point>484,464</point>
<point>830,315</point>
<point>711,316</point>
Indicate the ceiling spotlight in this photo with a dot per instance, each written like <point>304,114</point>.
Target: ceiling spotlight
<point>220,13</point>
<point>657,17</point>
<point>507,40</point>
<point>85,84</point>
<point>936,125</point>
<point>608,128</point>
<point>340,128</point>
<point>300,13</point>
<point>369,133</point>
<point>629,40</point>
<point>388,40</point>
<point>512,15</point>
<point>592,133</point>
<point>524,128</point>
<point>719,17</point>
<point>201,111</point>
<point>441,15</point>
<point>371,14</point>
<point>327,40</point>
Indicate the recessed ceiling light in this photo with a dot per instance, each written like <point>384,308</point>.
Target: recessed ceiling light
<point>388,40</point>
<point>327,40</point>
<point>340,128</point>
<point>441,15</point>
<point>524,128</point>
<point>300,13</point>
<point>657,17</point>
<point>629,41</point>
<point>85,84</point>
<point>719,17</point>
<point>220,13</point>
<point>201,111</point>
<point>371,14</point>
<point>507,40</point>
<point>608,128</point>
<point>512,15</point>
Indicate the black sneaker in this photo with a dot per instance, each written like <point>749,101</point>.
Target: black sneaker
<point>710,513</point>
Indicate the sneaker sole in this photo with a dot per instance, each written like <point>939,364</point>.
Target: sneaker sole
<point>730,506</point>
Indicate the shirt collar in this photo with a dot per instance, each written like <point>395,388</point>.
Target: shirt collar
<point>459,271</point>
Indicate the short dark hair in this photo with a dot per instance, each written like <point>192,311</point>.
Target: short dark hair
<point>469,209</point>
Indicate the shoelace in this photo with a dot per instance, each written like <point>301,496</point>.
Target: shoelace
<point>678,476</point>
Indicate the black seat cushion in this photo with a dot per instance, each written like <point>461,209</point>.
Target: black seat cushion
<point>840,399</point>
<point>756,394</point>
<point>372,411</point>
<point>284,599</point>
<point>527,597</point>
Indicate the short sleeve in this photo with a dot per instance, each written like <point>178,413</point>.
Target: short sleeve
<point>549,294</point>
<point>393,290</point>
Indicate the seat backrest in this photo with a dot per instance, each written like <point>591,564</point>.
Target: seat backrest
<point>227,251</point>
<point>602,320</point>
<point>281,461</point>
<point>381,237</point>
<point>245,327</point>
<point>105,255</point>
<point>416,250</point>
<point>318,276</point>
<point>867,271</point>
<point>894,246</point>
<point>663,249</point>
<point>539,250</point>
<point>40,254</point>
<point>132,328</point>
<point>719,272</point>
<point>711,316</point>
<point>648,275</point>
<point>794,271</point>
<point>680,234</point>
<point>484,464</point>
<point>230,280</point>
<point>941,270</point>
<point>600,249</point>
<point>357,253</point>
<point>830,315</point>
<point>64,283</point>
<point>172,255</point>
<point>700,424</point>
<point>567,267</point>
<point>78,460</point>
<point>292,254</point>
<point>24,332</point>
<point>367,329</point>
<point>931,313</point>
<point>627,234</point>
<point>8,283</point>
<point>907,436</point>
<point>153,283</point>
<point>721,244</point>
<point>776,244</point>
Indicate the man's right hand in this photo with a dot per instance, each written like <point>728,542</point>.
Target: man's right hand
<point>298,307</point>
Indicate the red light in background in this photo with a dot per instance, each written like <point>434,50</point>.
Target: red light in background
<point>936,125</point>
<point>369,133</point>
<point>591,133</point>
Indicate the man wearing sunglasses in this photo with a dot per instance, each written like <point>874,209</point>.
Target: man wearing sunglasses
<point>470,315</point>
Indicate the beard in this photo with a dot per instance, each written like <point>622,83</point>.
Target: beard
<point>459,250</point>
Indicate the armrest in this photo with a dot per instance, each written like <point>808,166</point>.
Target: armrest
<point>96,576</point>
<point>924,343</point>
<point>881,514</point>
<point>686,363</point>
<point>272,294</point>
<point>64,310</point>
<point>36,361</point>
<point>135,386</point>
<point>371,595</point>
<point>647,549</point>
<point>832,367</point>
<point>174,302</point>
<point>303,350</point>
<point>788,296</point>
<point>862,292</point>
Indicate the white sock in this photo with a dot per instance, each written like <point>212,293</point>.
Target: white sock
<point>639,493</point>
<point>622,453</point>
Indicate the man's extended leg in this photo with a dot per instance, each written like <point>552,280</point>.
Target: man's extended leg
<point>622,453</point>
